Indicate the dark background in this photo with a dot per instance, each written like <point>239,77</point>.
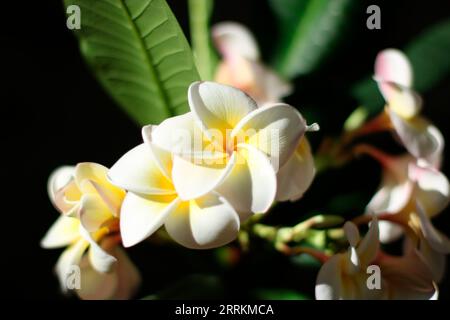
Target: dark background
<point>55,113</point>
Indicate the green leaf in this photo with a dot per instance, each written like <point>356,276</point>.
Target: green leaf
<point>429,58</point>
<point>309,30</point>
<point>193,287</point>
<point>279,294</point>
<point>138,52</point>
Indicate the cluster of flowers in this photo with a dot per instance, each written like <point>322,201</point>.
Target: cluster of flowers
<point>200,175</point>
<point>204,173</point>
<point>413,190</point>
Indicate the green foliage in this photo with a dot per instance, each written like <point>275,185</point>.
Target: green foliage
<point>139,53</point>
<point>428,53</point>
<point>309,30</point>
<point>279,294</point>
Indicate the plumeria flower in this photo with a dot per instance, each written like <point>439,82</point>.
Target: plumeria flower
<point>202,222</point>
<point>88,227</point>
<point>394,75</point>
<point>241,66</point>
<point>233,147</point>
<point>345,275</point>
<point>411,193</point>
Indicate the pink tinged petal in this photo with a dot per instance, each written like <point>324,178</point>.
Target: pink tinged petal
<point>58,179</point>
<point>142,215</point>
<point>369,245</point>
<point>433,189</point>
<point>251,185</point>
<point>218,107</point>
<point>275,130</point>
<point>329,281</point>
<point>137,171</point>
<point>69,258</point>
<point>405,102</point>
<point>93,212</point>
<point>392,65</point>
<point>62,233</point>
<point>272,86</point>
<point>297,174</point>
<point>437,240</point>
<point>193,180</point>
<point>204,223</point>
<point>418,136</point>
<point>92,178</point>
<point>99,258</point>
<point>232,38</point>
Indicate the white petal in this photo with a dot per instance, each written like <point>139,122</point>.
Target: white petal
<point>417,135</point>
<point>162,157</point>
<point>218,107</point>
<point>272,86</point>
<point>93,212</point>
<point>137,171</point>
<point>351,233</point>
<point>389,231</point>
<point>433,189</point>
<point>297,174</point>
<point>195,180</point>
<point>69,258</point>
<point>436,239</point>
<point>368,247</point>
<point>405,102</point>
<point>275,130</point>
<point>392,65</point>
<point>435,260</point>
<point>59,179</point>
<point>99,258</point>
<point>328,283</point>
<point>62,233</point>
<point>232,38</point>
<point>251,185</point>
<point>204,223</point>
<point>142,215</point>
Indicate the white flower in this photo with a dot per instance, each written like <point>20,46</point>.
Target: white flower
<point>345,276</point>
<point>421,138</point>
<point>231,154</point>
<point>241,66</point>
<point>89,205</point>
<point>202,222</point>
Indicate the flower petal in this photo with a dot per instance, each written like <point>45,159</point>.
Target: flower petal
<point>405,102</point>
<point>369,245</point>
<point>328,283</point>
<point>392,65</point>
<point>433,189</point>
<point>62,233</point>
<point>297,174</point>
<point>92,178</point>
<point>59,179</point>
<point>69,258</point>
<point>251,185</point>
<point>232,38</point>
<point>276,130</point>
<point>99,258</point>
<point>137,171</point>
<point>142,215</point>
<point>204,223</point>
<point>217,107</point>
<point>436,239</point>
<point>417,135</point>
<point>95,285</point>
<point>195,180</point>
<point>93,212</point>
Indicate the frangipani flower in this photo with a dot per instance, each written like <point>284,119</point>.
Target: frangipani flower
<point>232,152</point>
<point>89,207</point>
<point>394,75</point>
<point>412,192</point>
<point>241,66</point>
<point>345,275</point>
<point>204,222</point>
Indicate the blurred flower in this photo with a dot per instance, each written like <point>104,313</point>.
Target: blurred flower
<point>89,205</point>
<point>412,192</point>
<point>203,222</point>
<point>345,275</point>
<point>241,66</point>
<point>394,75</point>
<point>238,151</point>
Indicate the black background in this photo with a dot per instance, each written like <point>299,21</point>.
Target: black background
<point>55,113</point>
